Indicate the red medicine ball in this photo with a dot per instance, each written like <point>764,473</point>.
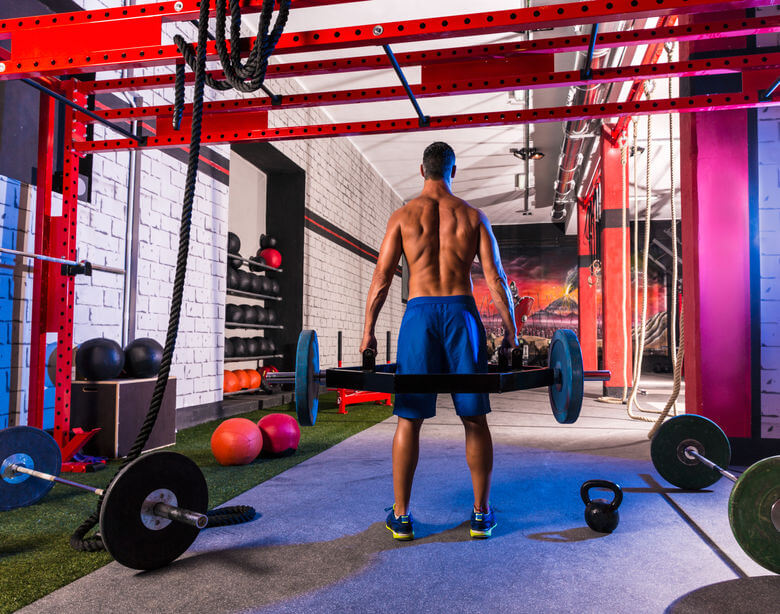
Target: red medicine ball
<point>281,434</point>
<point>272,257</point>
<point>236,441</point>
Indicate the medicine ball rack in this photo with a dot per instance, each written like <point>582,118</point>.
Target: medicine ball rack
<point>130,37</point>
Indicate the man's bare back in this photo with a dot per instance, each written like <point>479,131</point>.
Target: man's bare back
<point>440,235</point>
<point>440,238</point>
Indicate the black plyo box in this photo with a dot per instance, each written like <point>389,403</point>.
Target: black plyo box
<point>118,408</point>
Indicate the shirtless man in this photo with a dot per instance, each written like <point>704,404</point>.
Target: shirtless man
<point>441,332</point>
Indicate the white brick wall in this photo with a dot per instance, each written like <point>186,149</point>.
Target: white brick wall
<point>769,239</point>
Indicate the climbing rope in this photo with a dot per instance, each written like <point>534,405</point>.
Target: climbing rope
<point>254,71</point>
<point>678,351</point>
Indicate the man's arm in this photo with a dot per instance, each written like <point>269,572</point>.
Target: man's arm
<point>490,259</point>
<point>389,255</point>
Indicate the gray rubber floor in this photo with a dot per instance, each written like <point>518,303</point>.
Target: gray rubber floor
<point>319,544</point>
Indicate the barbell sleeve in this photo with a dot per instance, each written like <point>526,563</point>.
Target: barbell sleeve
<point>692,453</point>
<point>179,514</point>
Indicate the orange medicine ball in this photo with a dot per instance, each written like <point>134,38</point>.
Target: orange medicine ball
<point>230,382</point>
<point>236,441</point>
<point>243,378</point>
<point>254,378</point>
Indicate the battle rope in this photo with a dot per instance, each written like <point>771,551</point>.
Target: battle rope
<point>255,69</point>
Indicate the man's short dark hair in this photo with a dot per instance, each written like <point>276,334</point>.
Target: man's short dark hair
<point>438,160</point>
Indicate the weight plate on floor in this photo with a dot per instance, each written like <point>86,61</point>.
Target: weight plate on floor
<point>307,370</point>
<point>34,449</point>
<point>124,524</point>
<point>565,359</point>
<point>668,451</point>
<point>754,512</point>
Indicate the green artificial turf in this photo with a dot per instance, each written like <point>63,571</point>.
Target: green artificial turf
<point>35,557</point>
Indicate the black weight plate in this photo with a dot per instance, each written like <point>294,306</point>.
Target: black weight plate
<point>307,388</point>
<point>754,512</point>
<point>124,534</point>
<point>668,451</point>
<point>35,449</point>
<point>565,358</point>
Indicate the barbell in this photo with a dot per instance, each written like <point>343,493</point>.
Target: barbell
<point>564,376</point>
<point>690,451</point>
<point>151,513</point>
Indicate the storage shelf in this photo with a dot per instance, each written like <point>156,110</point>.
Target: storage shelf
<point>244,294</point>
<point>248,391</point>
<point>253,326</point>
<point>252,358</point>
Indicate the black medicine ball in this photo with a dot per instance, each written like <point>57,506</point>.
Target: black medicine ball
<point>233,279</point>
<point>99,359</point>
<point>256,258</point>
<point>234,313</point>
<point>275,287</point>
<point>143,357</point>
<point>234,243</point>
<point>262,315</point>
<point>270,316</point>
<point>239,346</point>
<point>257,284</point>
<point>252,347</point>
<point>250,314</point>
<point>267,285</point>
<point>271,346</point>
<point>229,351</point>
<point>245,281</point>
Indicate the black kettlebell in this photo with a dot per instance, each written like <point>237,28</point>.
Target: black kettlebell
<point>601,515</point>
<point>267,241</point>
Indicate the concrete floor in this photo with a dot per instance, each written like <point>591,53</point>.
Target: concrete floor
<point>319,544</point>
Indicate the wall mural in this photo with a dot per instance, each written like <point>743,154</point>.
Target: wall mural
<point>543,284</point>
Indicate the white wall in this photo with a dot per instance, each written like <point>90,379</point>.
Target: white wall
<point>247,202</point>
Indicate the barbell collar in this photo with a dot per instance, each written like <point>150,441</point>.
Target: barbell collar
<point>692,453</point>
<point>14,468</point>
<point>179,514</point>
<point>597,376</point>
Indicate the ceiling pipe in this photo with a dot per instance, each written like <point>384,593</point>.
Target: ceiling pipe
<point>576,134</point>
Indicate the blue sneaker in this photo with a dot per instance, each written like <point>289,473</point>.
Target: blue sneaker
<point>402,527</point>
<point>482,523</point>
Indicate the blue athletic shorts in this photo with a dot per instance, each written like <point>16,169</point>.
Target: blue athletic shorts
<point>441,334</point>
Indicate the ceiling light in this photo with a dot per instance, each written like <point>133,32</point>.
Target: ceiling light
<point>527,153</point>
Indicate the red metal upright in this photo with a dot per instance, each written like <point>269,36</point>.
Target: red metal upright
<point>41,269</point>
<point>586,293</point>
<point>617,355</point>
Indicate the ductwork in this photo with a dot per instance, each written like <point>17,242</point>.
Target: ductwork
<point>577,134</point>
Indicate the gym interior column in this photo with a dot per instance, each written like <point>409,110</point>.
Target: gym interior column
<point>616,288</point>
<point>586,293</point>
<point>716,250</point>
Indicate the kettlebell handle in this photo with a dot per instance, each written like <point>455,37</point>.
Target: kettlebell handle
<point>618,492</point>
